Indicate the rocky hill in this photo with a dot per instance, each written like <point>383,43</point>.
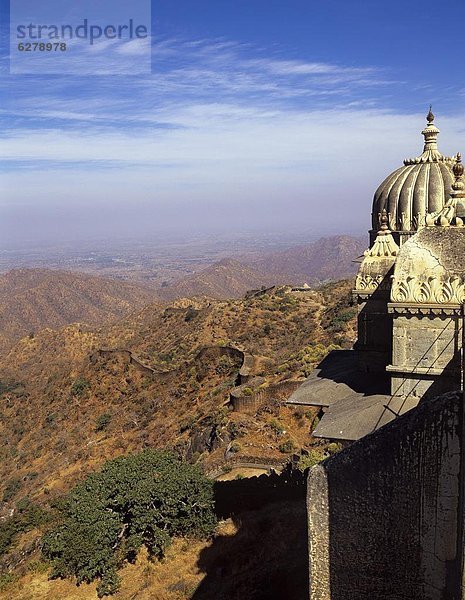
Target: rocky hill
<point>163,377</point>
<point>32,299</point>
<point>329,258</point>
<point>227,278</point>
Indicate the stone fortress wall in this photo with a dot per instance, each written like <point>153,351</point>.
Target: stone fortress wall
<point>239,401</point>
<point>250,403</point>
<point>206,352</point>
<point>132,359</point>
<point>384,512</point>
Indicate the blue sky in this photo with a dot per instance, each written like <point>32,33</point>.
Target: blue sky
<point>258,115</point>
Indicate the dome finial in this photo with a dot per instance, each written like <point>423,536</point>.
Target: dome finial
<point>383,221</point>
<point>458,168</point>
<point>430,149</point>
<point>430,115</point>
<point>458,187</point>
<point>430,133</point>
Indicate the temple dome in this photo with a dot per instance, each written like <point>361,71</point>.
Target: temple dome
<point>419,187</point>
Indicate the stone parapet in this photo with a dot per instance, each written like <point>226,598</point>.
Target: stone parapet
<point>383,513</point>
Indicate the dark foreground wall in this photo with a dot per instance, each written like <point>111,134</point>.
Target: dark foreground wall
<point>383,513</point>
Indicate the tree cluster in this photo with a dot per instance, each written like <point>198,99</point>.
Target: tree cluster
<point>142,499</point>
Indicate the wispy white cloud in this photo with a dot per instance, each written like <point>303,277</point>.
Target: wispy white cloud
<point>185,71</point>
<point>138,47</point>
<point>217,122</point>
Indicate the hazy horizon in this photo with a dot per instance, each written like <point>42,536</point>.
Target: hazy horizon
<point>77,234</point>
<point>244,238</point>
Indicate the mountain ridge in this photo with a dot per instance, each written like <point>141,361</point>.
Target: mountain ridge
<point>329,258</point>
<point>33,299</point>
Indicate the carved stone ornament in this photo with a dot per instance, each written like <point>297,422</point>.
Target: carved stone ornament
<point>432,290</point>
<point>378,261</point>
<point>419,187</point>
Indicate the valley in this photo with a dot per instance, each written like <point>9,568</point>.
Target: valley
<point>203,376</point>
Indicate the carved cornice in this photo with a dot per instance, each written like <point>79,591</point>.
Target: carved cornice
<point>448,371</point>
<point>433,310</point>
<point>358,296</point>
<point>433,290</point>
<point>367,284</point>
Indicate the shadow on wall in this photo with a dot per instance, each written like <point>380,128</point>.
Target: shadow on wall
<point>383,512</point>
<point>266,558</point>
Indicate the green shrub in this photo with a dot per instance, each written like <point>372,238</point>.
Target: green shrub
<point>79,386</point>
<point>315,422</point>
<point>237,430</point>
<point>314,456</point>
<point>7,579</point>
<point>26,517</point>
<point>277,427</point>
<point>12,487</point>
<point>347,315</point>
<point>142,499</point>
<point>38,566</point>
<point>102,421</point>
<point>225,365</point>
<point>340,320</point>
<point>286,446</point>
<point>333,447</point>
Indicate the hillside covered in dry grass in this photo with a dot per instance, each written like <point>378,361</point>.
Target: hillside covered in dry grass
<point>226,278</point>
<point>32,299</point>
<point>329,258</point>
<point>67,404</point>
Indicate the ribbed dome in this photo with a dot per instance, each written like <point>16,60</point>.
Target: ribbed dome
<point>420,187</point>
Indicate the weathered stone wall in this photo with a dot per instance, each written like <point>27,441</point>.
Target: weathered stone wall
<point>426,352</point>
<point>374,333</point>
<point>250,403</point>
<point>383,512</point>
<point>258,462</point>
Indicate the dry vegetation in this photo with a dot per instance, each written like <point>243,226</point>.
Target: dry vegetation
<point>65,409</point>
<point>225,278</point>
<point>326,258</point>
<point>259,555</point>
<point>32,299</point>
